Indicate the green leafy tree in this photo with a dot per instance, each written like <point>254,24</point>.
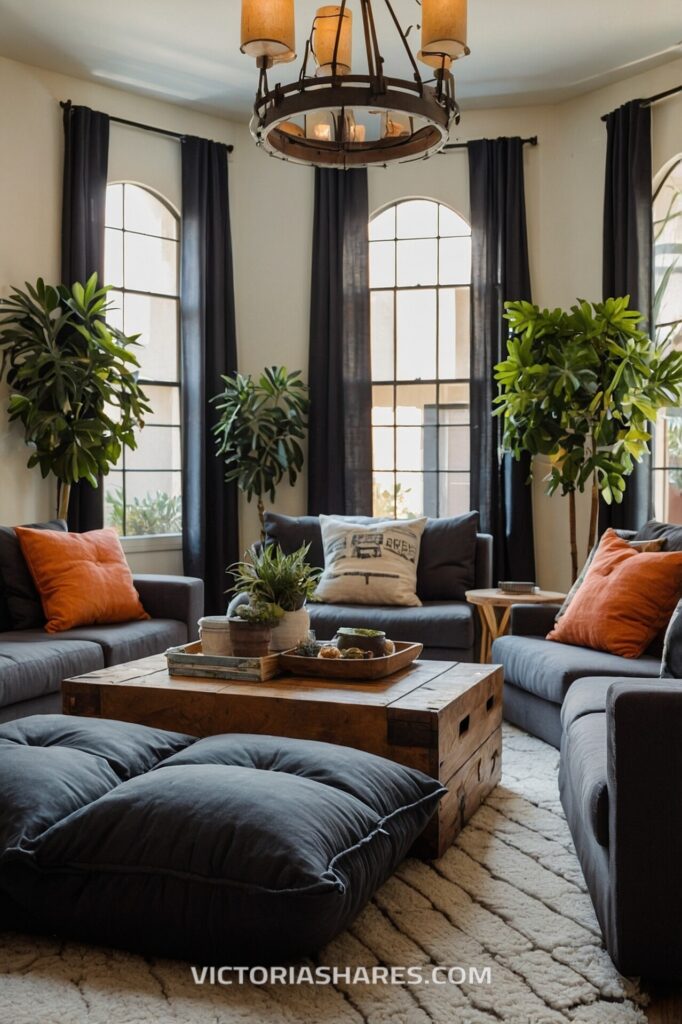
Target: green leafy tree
<point>154,513</point>
<point>260,426</point>
<point>73,381</point>
<point>581,387</point>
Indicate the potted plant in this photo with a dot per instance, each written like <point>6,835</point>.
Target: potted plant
<point>582,387</point>
<point>259,430</point>
<point>268,576</point>
<point>251,629</point>
<point>73,381</point>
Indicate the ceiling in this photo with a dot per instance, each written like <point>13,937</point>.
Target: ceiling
<point>523,51</point>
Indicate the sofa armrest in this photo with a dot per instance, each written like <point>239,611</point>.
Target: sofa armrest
<point>483,574</point>
<point>173,597</point>
<point>644,772</point>
<point>533,619</point>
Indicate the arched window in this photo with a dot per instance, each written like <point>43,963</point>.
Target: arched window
<point>420,273</point>
<point>667,259</point>
<point>143,493</point>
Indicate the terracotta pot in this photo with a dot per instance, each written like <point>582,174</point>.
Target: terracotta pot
<point>249,640</point>
<point>291,630</point>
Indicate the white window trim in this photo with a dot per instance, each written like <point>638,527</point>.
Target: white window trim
<point>138,545</point>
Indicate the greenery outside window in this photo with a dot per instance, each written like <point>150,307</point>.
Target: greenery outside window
<point>420,276</point>
<point>143,494</point>
<point>667,260</point>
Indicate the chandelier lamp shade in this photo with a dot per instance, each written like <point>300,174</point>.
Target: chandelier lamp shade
<point>339,114</point>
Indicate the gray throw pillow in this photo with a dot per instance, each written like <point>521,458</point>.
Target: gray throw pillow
<point>22,599</point>
<point>447,558</point>
<point>670,534</point>
<point>671,664</point>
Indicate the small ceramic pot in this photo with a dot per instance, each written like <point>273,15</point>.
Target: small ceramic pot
<point>214,633</point>
<point>291,630</point>
<point>345,638</point>
<point>249,640</point>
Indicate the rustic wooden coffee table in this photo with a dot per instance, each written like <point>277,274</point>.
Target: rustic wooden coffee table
<point>442,717</point>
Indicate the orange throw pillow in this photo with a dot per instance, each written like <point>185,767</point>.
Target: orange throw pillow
<point>626,598</point>
<point>82,578</point>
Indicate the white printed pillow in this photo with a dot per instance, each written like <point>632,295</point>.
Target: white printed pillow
<point>370,564</point>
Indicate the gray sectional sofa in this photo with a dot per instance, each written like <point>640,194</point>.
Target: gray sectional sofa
<point>33,663</point>
<point>453,558</point>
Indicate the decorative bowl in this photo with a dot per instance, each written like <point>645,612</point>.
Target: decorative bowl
<point>517,587</point>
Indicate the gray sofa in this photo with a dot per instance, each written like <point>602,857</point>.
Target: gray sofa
<point>33,663</point>
<point>453,558</point>
<point>621,764</point>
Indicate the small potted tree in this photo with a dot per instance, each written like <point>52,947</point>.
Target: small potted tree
<point>259,430</point>
<point>73,381</point>
<point>270,577</point>
<point>251,629</point>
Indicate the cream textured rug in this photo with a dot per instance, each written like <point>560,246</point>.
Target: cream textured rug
<point>509,895</point>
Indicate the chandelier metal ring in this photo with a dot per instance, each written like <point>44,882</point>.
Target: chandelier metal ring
<point>335,118</point>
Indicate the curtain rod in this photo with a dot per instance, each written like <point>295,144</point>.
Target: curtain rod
<point>655,99</point>
<point>144,127</point>
<point>531,141</point>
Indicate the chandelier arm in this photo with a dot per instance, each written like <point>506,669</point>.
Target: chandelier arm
<point>379,60</point>
<point>337,41</point>
<point>417,76</point>
<point>368,41</point>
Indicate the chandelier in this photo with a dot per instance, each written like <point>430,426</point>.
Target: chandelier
<point>332,117</point>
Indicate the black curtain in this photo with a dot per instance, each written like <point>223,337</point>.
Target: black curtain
<point>339,371</point>
<point>209,349</point>
<point>628,242</point>
<point>86,156</point>
<point>499,484</point>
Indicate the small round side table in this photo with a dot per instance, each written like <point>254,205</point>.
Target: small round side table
<point>494,609</point>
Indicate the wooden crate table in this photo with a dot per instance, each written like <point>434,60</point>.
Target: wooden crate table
<point>444,718</point>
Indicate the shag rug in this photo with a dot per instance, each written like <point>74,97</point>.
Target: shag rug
<point>509,895</point>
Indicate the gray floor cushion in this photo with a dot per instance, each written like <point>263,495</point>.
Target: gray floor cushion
<point>547,669</point>
<point>233,849</point>
<point>436,624</point>
<point>29,669</point>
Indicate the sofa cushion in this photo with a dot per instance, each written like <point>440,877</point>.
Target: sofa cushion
<point>587,696</point>
<point>669,533</point>
<point>447,560</point>
<point>292,532</point>
<point>435,624</point>
<point>30,669</point>
<point>547,669</point>
<point>236,849</point>
<point>123,641</point>
<point>584,756</point>
<point>22,599</point>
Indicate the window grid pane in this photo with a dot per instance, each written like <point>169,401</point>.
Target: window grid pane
<point>420,335</point>
<point>143,492</point>
<point>667,264</point>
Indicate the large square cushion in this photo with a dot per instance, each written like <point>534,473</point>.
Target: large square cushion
<point>232,849</point>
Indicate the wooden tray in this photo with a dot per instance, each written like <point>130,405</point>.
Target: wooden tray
<point>189,660</point>
<point>352,671</point>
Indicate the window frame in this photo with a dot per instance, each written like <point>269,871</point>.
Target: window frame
<point>430,478</point>
<point>660,469</point>
<point>138,543</point>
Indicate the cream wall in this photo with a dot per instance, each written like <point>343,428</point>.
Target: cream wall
<point>272,211</point>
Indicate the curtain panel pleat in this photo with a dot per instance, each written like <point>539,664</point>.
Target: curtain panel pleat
<point>209,349</point>
<point>500,273</point>
<point>339,369</point>
<point>86,157</point>
<point>627,267</point>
